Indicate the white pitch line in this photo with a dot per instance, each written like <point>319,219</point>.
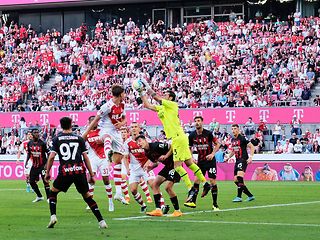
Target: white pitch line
<point>227,222</point>
<point>229,209</point>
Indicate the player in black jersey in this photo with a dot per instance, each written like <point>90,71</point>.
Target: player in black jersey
<point>37,150</point>
<point>239,146</point>
<point>206,145</point>
<point>71,149</point>
<point>161,152</point>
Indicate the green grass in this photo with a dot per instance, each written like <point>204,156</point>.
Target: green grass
<point>22,219</point>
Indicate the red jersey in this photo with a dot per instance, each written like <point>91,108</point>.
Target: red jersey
<point>98,149</point>
<point>137,157</point>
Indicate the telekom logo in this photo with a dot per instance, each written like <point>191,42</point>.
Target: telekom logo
<point>15,118</point>
<point>264,114</point>
<point>197,113</point>
<point>134,116</point>
<point>298,113</point>
<point>74,117</point>
<point>231,116</point>
<point>44,118</point>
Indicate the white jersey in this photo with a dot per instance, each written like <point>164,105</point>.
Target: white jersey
<point>110,114</point>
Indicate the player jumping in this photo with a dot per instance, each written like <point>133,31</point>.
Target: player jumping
<point>98,160</point>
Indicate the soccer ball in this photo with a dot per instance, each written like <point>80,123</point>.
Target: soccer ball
<point>137,85</point>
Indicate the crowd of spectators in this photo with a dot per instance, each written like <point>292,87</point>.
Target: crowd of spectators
<point>208,64</point>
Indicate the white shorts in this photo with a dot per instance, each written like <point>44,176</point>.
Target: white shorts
<point>115,138</point>
<point>28,168</point>
<point>100,164</point>
<point>123,169</point>
<point>135,176</point>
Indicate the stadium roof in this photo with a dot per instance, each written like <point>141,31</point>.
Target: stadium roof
<point>36,4</point>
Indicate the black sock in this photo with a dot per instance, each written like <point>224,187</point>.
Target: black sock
<point>47,188</point>
<point>175,203</point>
<point>36,189</point>
<point>53,202</point>
<point>157,198</point>
<point>196,186</point>
<point>243,186</point>
<point>214,193</point>
<point>94,208</point>
<point>239,189</point>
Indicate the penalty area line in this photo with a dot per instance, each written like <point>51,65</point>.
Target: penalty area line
<point>227,210</point>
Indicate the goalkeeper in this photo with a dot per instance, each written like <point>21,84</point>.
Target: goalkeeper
<point>168,114</point>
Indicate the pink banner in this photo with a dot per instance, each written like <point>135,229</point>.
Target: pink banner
<point>223,116</point>
<point>9,170</point>
<point>21,2</point>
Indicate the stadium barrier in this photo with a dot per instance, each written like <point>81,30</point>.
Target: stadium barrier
<point>10,170</point>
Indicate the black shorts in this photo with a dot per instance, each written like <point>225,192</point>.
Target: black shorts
<point>210,167</point>
<point>170,174</point>
<point>35,172</point>
<point>240,165</point>
<point>64,182</point>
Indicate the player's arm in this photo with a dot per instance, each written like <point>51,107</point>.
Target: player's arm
<point>125,160</point>
<point>151,92</point>
<point>228,156</point>
<point>216,146</point>
<point>28,156</point>
<point>168,154</point>
<point>122,123</point>
<point>18,156</point>
<point>250,145</point>
<point>52,155</point>
<point>91,126</point>
<point>88,164</point>
<point>147,104</point>
<point>149,165</point>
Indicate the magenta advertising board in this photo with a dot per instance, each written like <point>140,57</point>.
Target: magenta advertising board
<point>223,115</point>
<point>9,170</point>
<point>24,2</point>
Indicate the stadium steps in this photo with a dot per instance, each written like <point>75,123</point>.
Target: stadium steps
<point>47,86</point>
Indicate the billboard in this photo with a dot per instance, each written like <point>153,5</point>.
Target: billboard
<point>222,115</point>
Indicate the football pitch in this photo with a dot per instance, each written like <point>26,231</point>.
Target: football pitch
<point>282,210</point>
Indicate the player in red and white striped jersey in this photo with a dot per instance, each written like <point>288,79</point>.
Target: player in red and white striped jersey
<point>124,172</point>
<point>98,160</point>
<point>137,159</point>
<point>23,149</point>
<point>111,118</point>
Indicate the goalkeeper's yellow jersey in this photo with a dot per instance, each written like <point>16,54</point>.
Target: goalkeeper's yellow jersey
<point>169,116</point>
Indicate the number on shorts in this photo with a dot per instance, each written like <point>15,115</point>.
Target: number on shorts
<point>171,172</point>
<point>212,170</point>
<point>65,150</point>
<point>239,165</point>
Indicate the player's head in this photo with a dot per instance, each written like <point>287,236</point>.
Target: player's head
<point>118,91</point>
<point>135,129</point>
<point>124,133</point>
<point>142,142</point>
<point>66,123</point>
<point>29,135</point>
<point>35,134</point>
<point>199,122</point>
<point>170,95</point>
<point>90,119</point>
<point>235,129</point>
